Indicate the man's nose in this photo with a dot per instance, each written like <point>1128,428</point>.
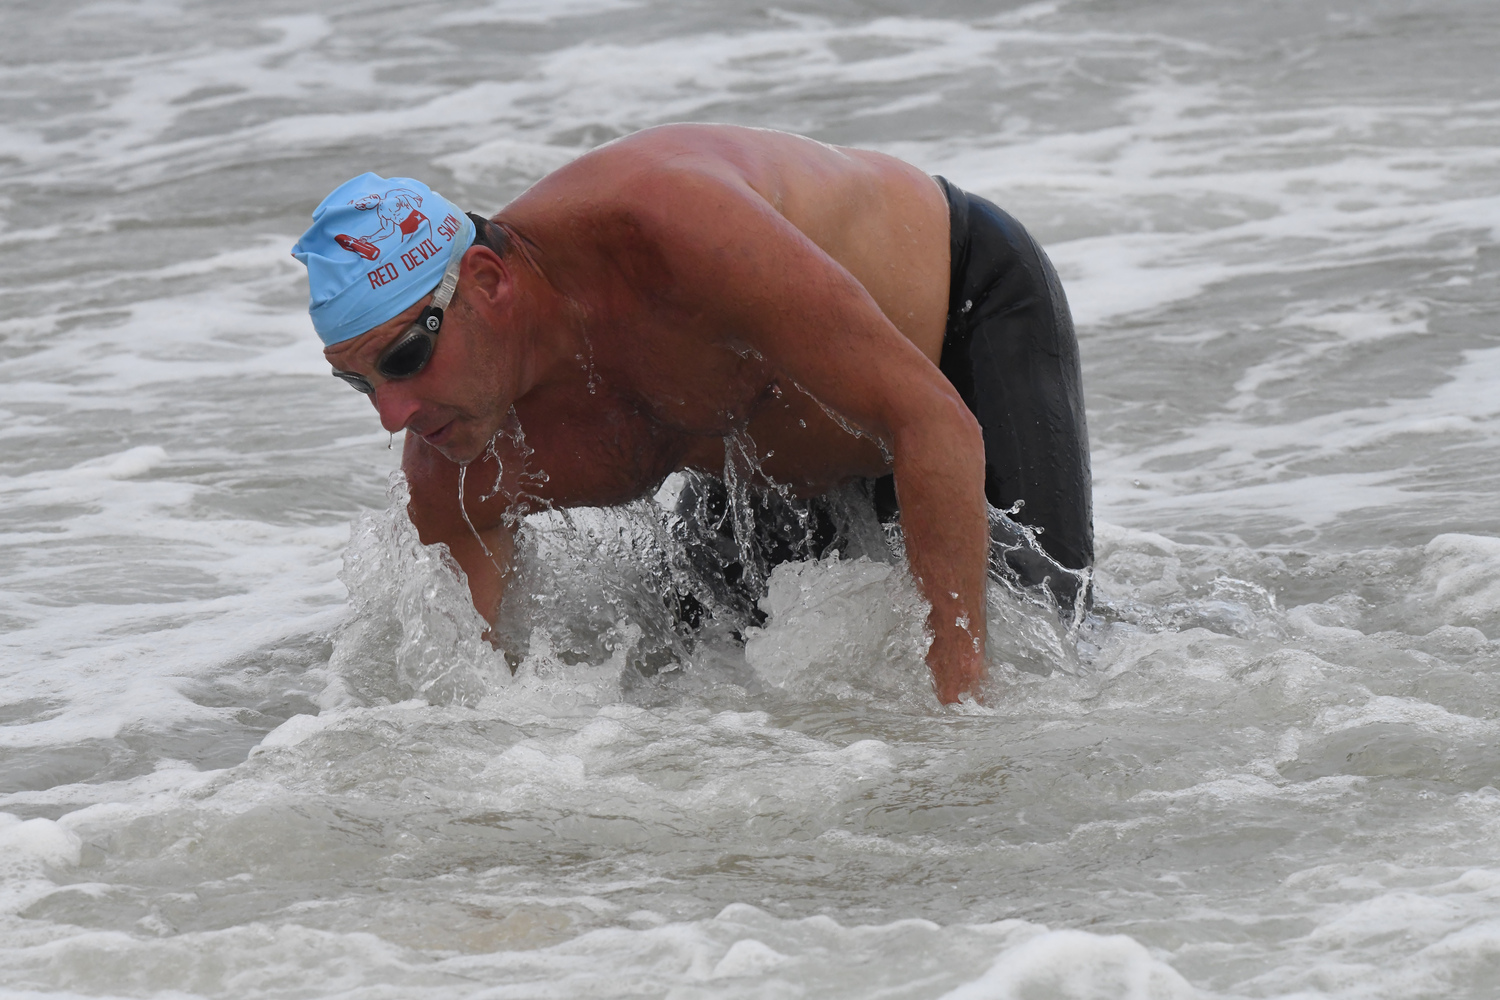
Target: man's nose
<point>396,404</point>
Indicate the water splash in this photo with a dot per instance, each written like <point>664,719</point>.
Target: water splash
<point>412,630</point>
<point>739,462</point>
<point>847,426</point>
<point>825,614</point>
<point>594,586</point>
<point>1018,561</point>
<point>591,375</point>
<point>511,431</point>
<point>463,509</point>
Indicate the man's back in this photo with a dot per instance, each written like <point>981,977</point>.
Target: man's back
<point>883,220</point>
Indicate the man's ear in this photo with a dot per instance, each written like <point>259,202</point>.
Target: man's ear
<point>486,273</point>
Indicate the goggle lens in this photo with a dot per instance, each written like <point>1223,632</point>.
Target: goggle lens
<point>408,357</point>
<point>357,381</point>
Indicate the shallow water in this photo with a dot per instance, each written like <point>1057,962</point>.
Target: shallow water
<point>1267,766</point>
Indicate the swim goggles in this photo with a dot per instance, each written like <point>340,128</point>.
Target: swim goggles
<point>411,351</point>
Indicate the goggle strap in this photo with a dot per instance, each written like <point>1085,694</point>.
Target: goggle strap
<point>449,284</point>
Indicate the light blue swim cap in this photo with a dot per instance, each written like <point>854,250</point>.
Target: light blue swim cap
<point>376,246</point>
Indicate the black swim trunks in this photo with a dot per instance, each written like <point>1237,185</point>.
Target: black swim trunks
<point>1010,351</point>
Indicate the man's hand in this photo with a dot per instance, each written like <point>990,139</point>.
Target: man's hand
<point>940,484</point>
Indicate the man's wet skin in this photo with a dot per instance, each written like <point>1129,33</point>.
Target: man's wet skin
<point>679,286</point>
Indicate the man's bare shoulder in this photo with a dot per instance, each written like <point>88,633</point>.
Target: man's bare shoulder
<point>641,171</point>
<point>641,204</point>
<point>676,176</point>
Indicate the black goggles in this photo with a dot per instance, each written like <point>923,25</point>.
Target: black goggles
<point>410,352</point>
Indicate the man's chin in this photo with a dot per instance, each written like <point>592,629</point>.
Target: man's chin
<point>460,456</point>
<point>458,443</point>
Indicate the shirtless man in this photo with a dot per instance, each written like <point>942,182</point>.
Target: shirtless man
<point>839,310</point>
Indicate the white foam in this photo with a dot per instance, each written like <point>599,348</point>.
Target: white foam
<point>1463,573</point>
<point>747,957</point>
<point>294,730</point>
<point>41,839</point>
<point>484,162</point>
<point>531,11</point>
<point>1078,966</point>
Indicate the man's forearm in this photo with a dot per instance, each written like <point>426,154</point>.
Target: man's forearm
<point>488,573</point>
<point>940,484</point>
<point>478,538</point>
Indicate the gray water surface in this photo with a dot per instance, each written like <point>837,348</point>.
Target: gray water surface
<point>1266,766</point>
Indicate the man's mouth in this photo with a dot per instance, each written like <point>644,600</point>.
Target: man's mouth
<point>440,435</point>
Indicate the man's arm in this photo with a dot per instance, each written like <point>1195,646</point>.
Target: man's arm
<point>435,510</point>
<point>731,258</point>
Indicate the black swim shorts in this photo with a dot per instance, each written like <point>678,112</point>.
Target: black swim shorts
<point>1010,351</point>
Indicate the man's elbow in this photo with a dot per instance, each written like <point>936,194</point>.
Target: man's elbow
<point>943,423</point>
<point>967,426</point>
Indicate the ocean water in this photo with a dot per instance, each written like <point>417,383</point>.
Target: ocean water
<point>251,745</point>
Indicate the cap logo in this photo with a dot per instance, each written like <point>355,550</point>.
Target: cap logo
<point>396,211</point>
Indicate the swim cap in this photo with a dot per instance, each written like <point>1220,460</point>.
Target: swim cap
<point>376,246</point>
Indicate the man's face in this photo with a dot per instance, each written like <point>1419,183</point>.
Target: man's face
<point>457,402</point>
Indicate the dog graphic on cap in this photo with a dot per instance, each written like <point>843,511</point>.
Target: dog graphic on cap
<point>398,212</point>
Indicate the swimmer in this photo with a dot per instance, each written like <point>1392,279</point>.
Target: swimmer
<point>691,291</point>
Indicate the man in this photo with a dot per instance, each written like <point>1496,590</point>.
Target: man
<point>692,291</point>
